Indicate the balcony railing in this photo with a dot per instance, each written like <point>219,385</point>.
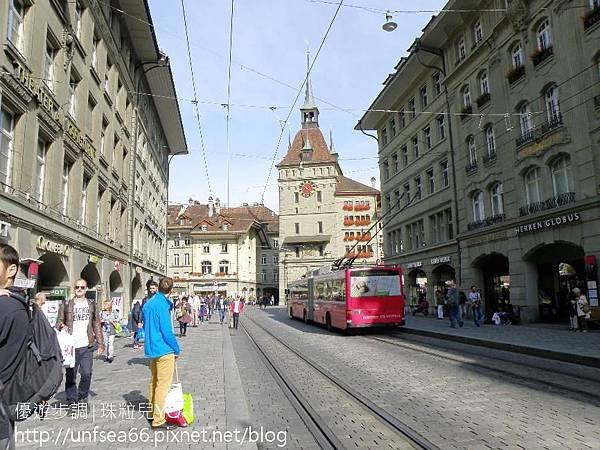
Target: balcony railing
<point>466,112</point>
<point>539,56</point>
<point>591,18</point>
<point>551,203</point>
<point>486,222</point>
<point>515,73</point>
<point>483,99</point>
<point>490,156</point>
<point>471,167</point>
<point>525,138</point>
<point>552,124</point>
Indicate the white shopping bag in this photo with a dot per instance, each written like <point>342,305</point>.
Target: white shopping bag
<point>174,400</point>
<point>66,342</point>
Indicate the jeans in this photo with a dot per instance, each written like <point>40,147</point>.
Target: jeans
<point>573,320</point>
<point>83,364</point>
<point>182,328</point>
<point>236,317</point>
<point>109,342</point>
<point>221,316</point>
<point>440,311</point>
<point>477,315</point>
<point>455,316</point>
<point>160,381</point>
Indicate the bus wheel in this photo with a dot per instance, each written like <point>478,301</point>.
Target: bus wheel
<point>328,322</point>
<point>304,319</point>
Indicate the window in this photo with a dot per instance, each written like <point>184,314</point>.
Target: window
<point>477,32</point>
<point>224,267</point>
<point>176,259</point>
<point>395,167</point>
<point>423,95</point>
<point>225,226</point>
<point>187,242</point>
<point>275,260</point>
<point>263,259</point>
<point>533,182</point>
<point>484,84</point>
<point>319,196</point>
<point>441,127</point>
<point>427,137</point>
<point>77,21</point>
<point>431,180</point>
<point>392,126</point>
<point>95,44</point>
<point>224,248</point>
<point>544,40</point>
<point>103,138</point>
<point>461,49</point>
<point>297,251</point>
<point>275,276</point>
<point>204,227</point>
<point>206,248</point>
<point>595,4</point>
<point>40,171</point>
<point>490,140</point>
<point>415,145</point>
<point>402,118</point>
<point>320,227</point>
<point>406,193</point>
<point>49,63</point>
<point>297,228</point>
<point>517,55</point>
<point>263,276</point>
<point>296,198</point>
<point>412,108</point>
<point>525,118</point>
<point>186,259</point>
<point>445,177</point>
<point>107,77</point>
<point>418,188</point>
<point>275,243</point>
<point>84,193</point>
<point>478,208</point>
<point>472,149</point>
<point>405,156</point>
<point>562,181</point>
<point>466,94</point>
<point>386,170</point>
<point>73,84</point>
<point>16,19</point>
<point>99,209</point>
<point>551,100</point>
<point>65,187</point>
<point>321,250</point>
<point>384,139</point>
<point>497,196</point>
<point>206,267</point>
<point>7,128</point>
<point>437,84</point>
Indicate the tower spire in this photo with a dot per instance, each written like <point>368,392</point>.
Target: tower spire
<point>309,110</point>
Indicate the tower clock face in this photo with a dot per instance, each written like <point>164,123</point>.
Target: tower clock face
<point>307,189</point>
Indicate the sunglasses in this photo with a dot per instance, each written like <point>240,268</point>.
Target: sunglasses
<point>80,287</point>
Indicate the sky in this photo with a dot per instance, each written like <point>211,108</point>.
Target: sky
<point>270,40</point>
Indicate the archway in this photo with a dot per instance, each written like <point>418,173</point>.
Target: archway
<point>417,286</point>
<point>136,288</point>
<point>494,268</point>
<point>91,275</point>
<point>52,272</point>
<point>560,268</point>
<point>440,275</point>
<point>114,281</point>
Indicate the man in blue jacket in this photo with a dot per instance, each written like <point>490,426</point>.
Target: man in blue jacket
<point>160,345</point>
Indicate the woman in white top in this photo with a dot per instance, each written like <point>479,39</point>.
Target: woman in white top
<point>583,309</point>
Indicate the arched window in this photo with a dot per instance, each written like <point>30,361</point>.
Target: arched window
<point>525,118</point>
<point>478,208</point>
<point>562,181</point>
<point>544,39</point>
<point>461,49</point>
<point>533,185</point>
<point>472,150</point>
<point>484,83</point>
<point>551,102</point>
<point>490,140</point>
<point>224,266</point>
<point>497,197</point>
<point>466,94</point>
<point>517,55</point>
<point>206,267</point>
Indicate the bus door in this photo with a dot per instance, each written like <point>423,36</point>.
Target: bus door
<point>311,299</point>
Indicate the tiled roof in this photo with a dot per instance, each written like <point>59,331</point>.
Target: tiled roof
<point>348,186</point>
<point>317,142</point>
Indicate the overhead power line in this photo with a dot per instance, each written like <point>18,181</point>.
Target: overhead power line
<point>228,118</point>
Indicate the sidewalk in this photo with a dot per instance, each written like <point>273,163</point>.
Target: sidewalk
<point>532,339</point>
<point>118,402</point>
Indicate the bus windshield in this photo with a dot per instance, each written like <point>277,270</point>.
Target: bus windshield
<point>374,283</point>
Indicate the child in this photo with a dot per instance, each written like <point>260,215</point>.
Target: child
<point>183,316</point>
<point>108,320</point>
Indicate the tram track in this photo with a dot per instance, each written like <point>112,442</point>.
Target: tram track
<point>325,436</point>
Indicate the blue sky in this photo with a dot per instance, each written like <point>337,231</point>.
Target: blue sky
<point>270,37</point>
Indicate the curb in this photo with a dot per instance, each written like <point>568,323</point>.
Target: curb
<point>581,360</point>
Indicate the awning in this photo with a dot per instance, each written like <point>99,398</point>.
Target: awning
<point>306,239</point>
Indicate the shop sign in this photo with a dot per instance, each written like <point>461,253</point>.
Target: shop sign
<point>93,259</point>
<point>53,247</point>
<point>548,223</point>
<point>59,293</point>
<point>414,264</point>
<point>440,260</point>
<point>24,283</point>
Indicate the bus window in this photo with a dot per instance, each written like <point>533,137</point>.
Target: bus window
<point>339,291</point>
<point>328,291</point>
<point>374,283</point>
<point>320,290</point>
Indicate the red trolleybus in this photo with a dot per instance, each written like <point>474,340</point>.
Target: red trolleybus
<point>349,298</point>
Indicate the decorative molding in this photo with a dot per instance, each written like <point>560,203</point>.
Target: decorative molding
<point>518,15</point>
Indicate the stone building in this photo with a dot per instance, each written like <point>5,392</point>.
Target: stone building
<point>522,85</point>
<point>229,251</point>
<point>83,158</point>
<point>323,215</point>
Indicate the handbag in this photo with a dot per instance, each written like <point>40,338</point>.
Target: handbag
<point>174,400</point>
<point>140,335</point>
<point>67,348</point>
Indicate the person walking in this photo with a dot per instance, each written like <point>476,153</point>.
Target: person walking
<point>221,307</point>
<point>137,322</point>
<point>108,320</point>
<point>195,304</point>
<point>237,306</point>
<point>183,316</point>
<point>439,303</point>
<point>453,298</point>
<point>572,305</point>
<point>202,311</point>
<point>475,301</point>
<point>81,318</point>
<point>583,310</point>
<point>161,347</point>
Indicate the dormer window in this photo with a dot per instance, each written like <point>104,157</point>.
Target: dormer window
<point>204,227</point>
<point>225,226</point>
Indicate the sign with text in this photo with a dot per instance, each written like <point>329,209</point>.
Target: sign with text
<point>541,225</point>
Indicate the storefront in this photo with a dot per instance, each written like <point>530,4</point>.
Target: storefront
<point>415,288</point>
<point>494,272</point>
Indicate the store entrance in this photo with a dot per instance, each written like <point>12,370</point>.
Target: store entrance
<point>417,284</point>
<point>496,283</point>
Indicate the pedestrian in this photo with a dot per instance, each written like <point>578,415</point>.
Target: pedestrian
<point>195,304</point>
<point>583,310</point>
<point>161,347</point>
<point>183,316</point>
<point>14,333</point>
<point>439,302</point>
<point>572,305</point>
<point>137,322</point>
<point>475,301</point>
<point>108,320</point>
<point>81,318</point>
<point>237,306</point>
<point>453,298</point>
<point>202,312</point>
<point>221,306</point>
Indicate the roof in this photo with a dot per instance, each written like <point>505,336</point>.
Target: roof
<point>138,21</point>
<point>347,186</point>
<point>320,150</point>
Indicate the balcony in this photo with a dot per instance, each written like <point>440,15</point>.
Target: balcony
<point>490,156</point>
<point>486,222</point>
<point>347,208</point>
<point>361,208</point>
<point>348,222</point>
<point>466,112</point>
<point>591,18</point>
<point>471,167</point>
<point>539,56</point>
<point>552,124</point>
<point>551,203</point>
<point>483,99</point>
<point>515,73</point>
<point>525,138</point>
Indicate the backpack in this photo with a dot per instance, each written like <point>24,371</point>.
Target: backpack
<point>39,373</point>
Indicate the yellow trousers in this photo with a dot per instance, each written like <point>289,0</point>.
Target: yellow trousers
<point>162,375</point>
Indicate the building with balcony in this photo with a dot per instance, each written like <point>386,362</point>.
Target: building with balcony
<point>88,118</point>
<point>227,251</point>
<point>521,80</point>
<point>323,215</point>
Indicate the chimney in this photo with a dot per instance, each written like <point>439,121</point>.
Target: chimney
<point>217,206</point>
<point>211,210</point>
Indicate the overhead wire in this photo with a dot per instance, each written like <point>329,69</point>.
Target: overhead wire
<point>228,117</point>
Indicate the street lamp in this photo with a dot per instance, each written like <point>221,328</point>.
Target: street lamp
<point>389,24</point>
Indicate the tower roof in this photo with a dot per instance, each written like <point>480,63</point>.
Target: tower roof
<point>320,150</point>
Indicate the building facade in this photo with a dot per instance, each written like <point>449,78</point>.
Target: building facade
<point>228,251</point>
<point>73,134</point>
<point>323,215</point>
<point>522,84</point>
